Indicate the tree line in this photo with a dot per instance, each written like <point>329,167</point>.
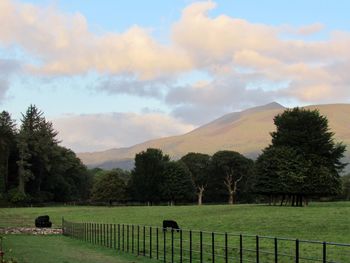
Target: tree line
<point>303,161</point>
<point>34,168</point>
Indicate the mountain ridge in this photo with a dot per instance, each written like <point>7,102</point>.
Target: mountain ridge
<point>246,131</point>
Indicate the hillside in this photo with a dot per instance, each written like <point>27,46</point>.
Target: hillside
<point>247,132</point>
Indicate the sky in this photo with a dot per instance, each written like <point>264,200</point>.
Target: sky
<point>112,74</point>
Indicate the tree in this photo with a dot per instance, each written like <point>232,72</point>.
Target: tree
<point>346,187</point>
<point>7,145</point>
<point>280,171</point>
<point>109,186</point>
<point>36,141</point>
<point>198,164</point>
<point>229,168</point>
<point>177,184</point>
<point>307,140</point>
<point>68,179</point>
<point>146,179</point>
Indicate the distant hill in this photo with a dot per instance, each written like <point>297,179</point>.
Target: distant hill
<point>247,132</point>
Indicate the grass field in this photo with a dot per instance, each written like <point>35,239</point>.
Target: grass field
<point>319,221</point>
<point>60,249</point>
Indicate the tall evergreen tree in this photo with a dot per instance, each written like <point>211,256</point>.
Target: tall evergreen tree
<point>36,142</point>
<point>147,175</point>
<point>7,145</point>
<point>304,137</point>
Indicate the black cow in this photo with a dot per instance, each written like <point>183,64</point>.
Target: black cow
<point>170,224</point>
<point>43,221</point>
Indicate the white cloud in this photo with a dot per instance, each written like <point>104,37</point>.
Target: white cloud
<point>64,45</point>
<point>247,64</point>
<point>93,132</point>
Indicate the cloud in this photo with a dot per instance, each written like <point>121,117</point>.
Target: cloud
<point>252,53</point>
<point>204,101</point>
<point>64,45</point>
<point>7,69</point>
<point>247,63</point>
<point>131,86</point>
<point>93,132</point>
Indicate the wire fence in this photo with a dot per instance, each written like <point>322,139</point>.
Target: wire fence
<point>192,246</point>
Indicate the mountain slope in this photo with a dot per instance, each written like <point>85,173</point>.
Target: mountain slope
<point>247,132</point>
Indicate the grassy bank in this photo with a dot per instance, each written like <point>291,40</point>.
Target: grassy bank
<point>60,249</point>
<point>319,221</point>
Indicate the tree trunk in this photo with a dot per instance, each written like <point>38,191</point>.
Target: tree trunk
<point>231,185</point>
<point>282,200</point>
<point>200,194</point>
<point>21,184</point>
<point>231,198</point>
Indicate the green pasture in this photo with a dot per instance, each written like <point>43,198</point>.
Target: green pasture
<point>61,249</point>
<point>318,221</point>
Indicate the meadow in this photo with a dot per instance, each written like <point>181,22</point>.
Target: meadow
<point>60,249</point>
<point>318,221</point>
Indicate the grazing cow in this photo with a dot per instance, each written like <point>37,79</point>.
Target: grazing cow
<point>170,224</point>
<point>43,221</point>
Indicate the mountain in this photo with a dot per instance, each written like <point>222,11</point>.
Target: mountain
<point>247,132</point>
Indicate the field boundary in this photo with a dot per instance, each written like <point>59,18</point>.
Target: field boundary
<point>190,246</point>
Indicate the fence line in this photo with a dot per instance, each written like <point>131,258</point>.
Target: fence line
<point>193,246</point>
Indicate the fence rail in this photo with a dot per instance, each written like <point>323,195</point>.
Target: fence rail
<point>192,246</point>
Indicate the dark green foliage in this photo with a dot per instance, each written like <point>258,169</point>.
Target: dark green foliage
<point>7,148</point>
<point>109,186</point>
<point>146,180</point>
<point>198,164</point>
<point>345,187</point>
<point>230,175</point>
<point>176,183</point>
<point>308,133</point>
<point>68,180</point>
<point>303,159</point>
<point>280,170</point>
<point>34,168</point>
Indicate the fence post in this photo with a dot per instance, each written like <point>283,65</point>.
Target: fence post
<point>180,245</point>
<point>164,241</point>
<point>144,240</point>
<point>63,226</point>
<point>240,248</point>
<point>226,250</point>
<point>150,242</point>
<point>324,252</point>
<point>118,236</point>
<point>257,249</point>
<point>127,237</point>
<point>95,233</point>
<point>100,231</point>
<point>297,251</point>
<point>132,238</point>
<point>201,246</point>
<point>276,251</point>
<point>138,239</point>
<point>172,245</point>
<point>111,236</point>
<point>115,236</point>
<point>104,234</point>
<point>190,246</point>
<point>157,243</point>
<point>213,247</point>
<point>123,230</point>
<point>107,235</point>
